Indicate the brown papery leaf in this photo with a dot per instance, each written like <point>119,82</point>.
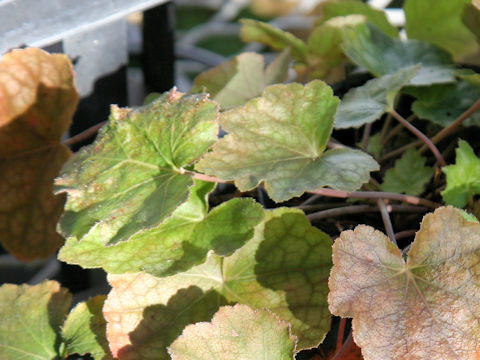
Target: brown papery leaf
<point>426,307</point>
<point>37,102</point>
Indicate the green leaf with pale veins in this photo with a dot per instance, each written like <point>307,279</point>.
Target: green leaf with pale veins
<point>132,177</point>
<point>409,175</point>
<point>246,333</point>
<point>463,178</point>
<point>84,331</point>
<point>181,242</point>
<point>253,30</point>
<point>367,103</point>
<point>31,317</point>
<point>424,307</point>
<point>242,78</point>
<point>333,8</point>
<point>280,138</point>
<point>380,54</point>
<point>444,103</point>
<point>284,267</point>
<point>440,22</point>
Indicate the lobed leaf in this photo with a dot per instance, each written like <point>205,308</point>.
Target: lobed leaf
<point>236,333</point>
<point>242,78</point>
<point>409,175</point>
<point>367,103</point>
<point>463,178</point>
<point>31,319</point>
<point>132,178</point>
<point>84,331</point>
<point>381,55</point>
<point>37,102</point>
<point>280,138</point>
<point>424,307</point>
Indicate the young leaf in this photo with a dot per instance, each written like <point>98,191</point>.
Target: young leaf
<point>37,102</point>
<point>253,30</point>
<point>409,175</point>
<point>284,267</point>
<point>380,54</point>
<point>440,22</point>
<point>369,102</point>
<point>242,78</point>
<point>279,138</point>
<point>245,334</point>
<point>442,104</point>
<point>31,319</point>
<point>463,178</point>
<point>178,244</point>
<point>84,331</point>
<point>333,8</point>
<point>132,178</point>
<point>424,308</point>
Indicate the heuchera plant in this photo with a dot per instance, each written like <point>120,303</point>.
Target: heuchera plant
<point>237,280</point>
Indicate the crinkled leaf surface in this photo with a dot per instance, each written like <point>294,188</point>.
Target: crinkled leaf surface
<point>242,78</point>
<point>409,175</point>
<point>236,333</point>
<point>31,319</point>
<point>442,104</point>
<point>463,178</point>
<point>253,30</point>
<point>181,242</point>
<point>440,22</point>
<point>37,101</point>
<point>84,331</point>
<point>131,179</point>
<point>380,54</point>
<point>369,102</point>
<point>424,308</point>
<point>334,8</point>
<point>284,267</point>
<point>279,138</point>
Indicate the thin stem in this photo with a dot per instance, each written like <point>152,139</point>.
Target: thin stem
<point>396,130</point>
<point>346,347</point>
<point>311,199</point>
<point>366,134</point>
<point>386,220</point>
<point>386,126</point>
<point>421,136</point>
<point>400,150</point>
<point>84,134</point>
<point>375,195</point>
<point>359,209</point>
<point>454,125</point>
<point>341,334</point>
<point>404,234</point>
<point>208,178</point>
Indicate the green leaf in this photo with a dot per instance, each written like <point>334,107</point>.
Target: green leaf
<point>409,175</point>
<point>442,104</point>
<point>246,333</point>
<point>31,319</point>
<point>284,267</point>
<point>471,18</point>
<point>463,178</point>
<point>84,331</point>
<point>333,8</point>
<point>253,30</point>
<point>132,177</point>
<point>440,22</point>
<point>280,138</point>
<point>181,242</point>
<point>367,103</point>
<point>242,78</point>
<point>381,55</point>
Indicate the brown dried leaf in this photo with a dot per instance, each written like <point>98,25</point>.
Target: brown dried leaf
<point>424,308</point>
<point>37,101</point>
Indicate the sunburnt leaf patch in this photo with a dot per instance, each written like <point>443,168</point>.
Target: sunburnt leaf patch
<point>132,178</point>
<point>280,138</point>
<point>37,101</point>
<point>246,333</point>
<point>423,308</point>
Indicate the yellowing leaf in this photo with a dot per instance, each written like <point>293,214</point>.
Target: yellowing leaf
<point>280,138</point>
<point>37,101</point>
<point>423,308</point>
<point>236,333</point>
